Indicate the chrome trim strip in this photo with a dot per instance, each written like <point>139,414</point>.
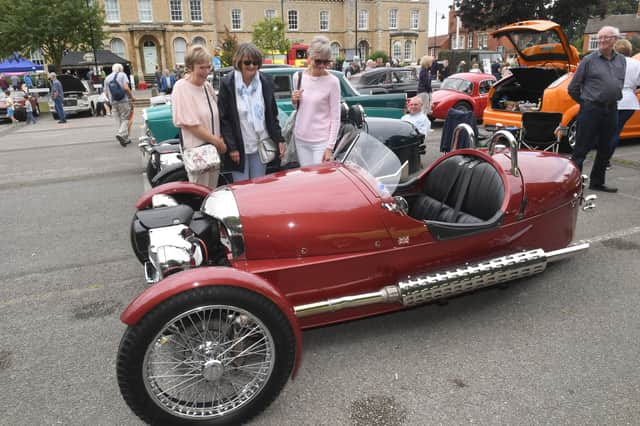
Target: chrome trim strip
<point>456,135</point>
<point>222,205</point>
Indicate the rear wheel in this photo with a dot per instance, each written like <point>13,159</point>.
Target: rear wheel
<point>462,106</point>
<point>569,141</point>
<point>209,356</point>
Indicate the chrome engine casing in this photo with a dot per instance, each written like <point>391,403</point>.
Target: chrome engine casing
<point>171,249</point>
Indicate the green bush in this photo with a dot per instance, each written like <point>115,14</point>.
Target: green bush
<point>379,54</point>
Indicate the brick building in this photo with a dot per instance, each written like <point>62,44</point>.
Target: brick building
<point>158,32</point>
<point>629,26</point>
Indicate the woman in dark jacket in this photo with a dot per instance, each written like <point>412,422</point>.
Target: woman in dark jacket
<point>248,114</point>
<point>424,83</point>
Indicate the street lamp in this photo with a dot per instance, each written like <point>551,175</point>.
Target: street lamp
<point>435,32</point>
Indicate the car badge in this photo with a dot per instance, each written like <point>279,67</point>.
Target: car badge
<point>403,241</point>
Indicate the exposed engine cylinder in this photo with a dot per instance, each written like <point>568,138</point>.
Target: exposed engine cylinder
<point>172,249</point>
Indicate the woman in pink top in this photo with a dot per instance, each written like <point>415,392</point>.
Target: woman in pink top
<point>318,103</point>
<point>195,110</point>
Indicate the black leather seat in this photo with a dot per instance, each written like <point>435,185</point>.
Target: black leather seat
<point>462,191</point>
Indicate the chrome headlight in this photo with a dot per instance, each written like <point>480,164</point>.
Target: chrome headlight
<point>221,205</point>
<point>171,250</point>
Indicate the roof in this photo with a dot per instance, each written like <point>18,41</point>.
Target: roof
<point>625,23</point>
<point>85,59</point>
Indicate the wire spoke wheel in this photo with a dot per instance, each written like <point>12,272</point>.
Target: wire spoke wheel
<point>209,361</point>
<point>212,355</point>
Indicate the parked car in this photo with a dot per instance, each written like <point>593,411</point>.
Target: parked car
<point>466,91</point>
<point>387,80</point>
<point>19,101</point>
<point>238,272</point>
<point>78,99</point>
<point>548,64</point>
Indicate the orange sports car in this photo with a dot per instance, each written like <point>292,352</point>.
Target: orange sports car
<point>547,63</point>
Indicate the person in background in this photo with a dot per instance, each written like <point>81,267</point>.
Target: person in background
<point>132,82</point>
<point>444,70</point>
<point>15,82</point>
<point>10,107</point>
<point>28,82</point>
<point>462,67</point>
<point>495,69</point>
<point>177,72</point>
<point>424,84</point>
<point>29,110</point>
<point>416,115</point>
<point>167,81</point>
<point>318,103</point>
<point>158,75</point>
<point>121,108</point>
<point>102,106</point>
<point>248,113</point>
<point>597,86</point>
<point>195,110</point>
<point>57,94</point>
<point>3,83</point>
<point>629,102</point>
<point>505,70</point>
<point>370,64</point>
<point>353,69</point>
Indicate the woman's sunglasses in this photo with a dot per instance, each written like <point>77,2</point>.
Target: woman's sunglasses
<point>248,62</point>
<point>322,61</point>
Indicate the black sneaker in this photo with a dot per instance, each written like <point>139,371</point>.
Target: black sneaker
<point>122,140</point>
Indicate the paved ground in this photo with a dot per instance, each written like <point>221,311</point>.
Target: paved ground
<point>559,348</point>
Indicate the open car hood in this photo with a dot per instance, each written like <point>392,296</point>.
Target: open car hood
<point>71,84</point>
<point>540,43</point>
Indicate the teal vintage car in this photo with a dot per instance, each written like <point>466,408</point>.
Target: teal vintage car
<point>160,125</point>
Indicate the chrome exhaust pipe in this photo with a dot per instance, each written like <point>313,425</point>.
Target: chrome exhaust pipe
<point>429,287</point>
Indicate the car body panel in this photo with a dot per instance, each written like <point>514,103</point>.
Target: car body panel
<point>387,80</point>
<point>474,94</point>
<point>319,246</point>
<point>18,105</point>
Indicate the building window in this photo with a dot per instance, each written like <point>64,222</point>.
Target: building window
<point>415,16</point>
<point>144,11</point>
<point>408,50</point>
<point>293,20</point>
<point>269,13</point>
<point>483,41</point>
<point>397,50</point>
<point>236,19</point>
<point>200,41</point>
<point>175,10</point>
<point>195,6</point>
<point>36,57</point>
<point>393,19</point>
<point>593,42</point>
<point>324,20</point>
<point>117,47</point>
<point>335,50</point>
<point>470,41</point>
<point>179,49</point>
<point>111,11</point>
<point>363,19</point>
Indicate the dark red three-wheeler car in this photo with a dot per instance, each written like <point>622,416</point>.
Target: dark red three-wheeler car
<point>237,273</point>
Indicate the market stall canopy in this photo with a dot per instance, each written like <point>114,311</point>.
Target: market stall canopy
<point>86,59</point>
<point>17,64</point>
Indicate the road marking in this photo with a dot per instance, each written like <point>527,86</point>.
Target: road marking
<point>613,235</point>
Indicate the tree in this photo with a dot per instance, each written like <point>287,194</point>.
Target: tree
<point>268,36</point>
<point>229,47</point>
<point>53,26</point>
<point>572,15</point>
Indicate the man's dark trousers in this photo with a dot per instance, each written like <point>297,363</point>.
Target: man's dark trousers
<point>596,126</point>
<point>58,105</point>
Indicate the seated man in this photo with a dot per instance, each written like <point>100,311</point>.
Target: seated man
<point>416,116</point>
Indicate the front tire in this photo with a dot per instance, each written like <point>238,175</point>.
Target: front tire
<point>462,106</point>
<point>209,356</point>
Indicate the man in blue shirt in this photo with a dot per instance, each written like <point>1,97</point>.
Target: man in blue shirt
<point>57,94</point>
<point>27,81</point>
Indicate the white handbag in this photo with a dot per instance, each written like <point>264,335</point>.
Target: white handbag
<point>201,159</point>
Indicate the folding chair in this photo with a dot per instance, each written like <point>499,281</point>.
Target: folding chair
<point>541,130</point>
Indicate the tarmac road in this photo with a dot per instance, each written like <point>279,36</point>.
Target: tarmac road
<point>558,348</point>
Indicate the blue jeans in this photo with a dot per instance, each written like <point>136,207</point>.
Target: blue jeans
<point>253,168</point>
<point>596,127</point>
<point>57,103</point>
<point>30,118</point>
<point>623,116</point>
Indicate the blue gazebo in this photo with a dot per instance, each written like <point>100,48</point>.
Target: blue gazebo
<point>17,64</point>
